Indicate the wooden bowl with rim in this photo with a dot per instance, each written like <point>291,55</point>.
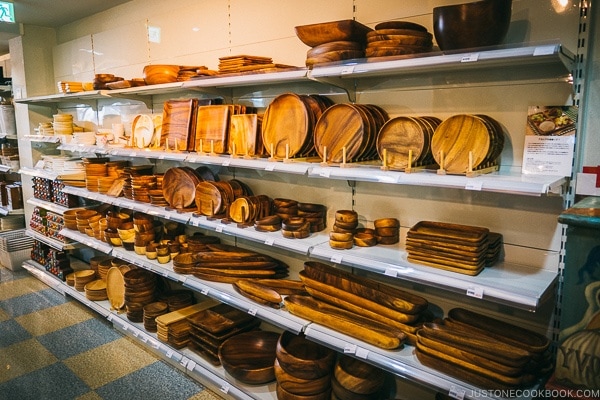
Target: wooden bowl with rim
<point>250,356</point>
<point>303,358</point>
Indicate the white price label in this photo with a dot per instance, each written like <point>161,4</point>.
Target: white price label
<point>457,393</point>
<point>124,327</point>
<point>252,311</point>
<point>184,361</point>
<point>224,389</point>
<point>349,348</point>
<point>144,339</point>
<point>324,173</point>
<point>362,353</point>
<point>474,185</point>
<point>219,228</point>
<point>110,317</point>
<point>204,292</point>
<point>270,167</point>
<point>476,292</point>
<point>543,51</point>
<point>169,353</point>
<point>135,333</point>
<point>191,365</point>
<point>161,157</point>
<point>192,159</point>
<point>270,241</point>
<point>347,70</point>
<point>154,343</point>
<point>470,58</point>
<point>226,162</point>
<point>167,216</point>
<point>132,154</point>
<point>391,272</point>
<point>336,259</point>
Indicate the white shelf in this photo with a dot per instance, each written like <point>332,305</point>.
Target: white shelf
<point>55,244</point>
<point>187,361</point>
<point>40,173</point>
<point>86,240</point>
<point>47,205</point>
<point>42,138</point>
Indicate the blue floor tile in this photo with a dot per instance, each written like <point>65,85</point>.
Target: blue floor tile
<point>32,302</point>
<point>11,332</point>
<point>156,381</point>
<point>8,275</point>
<point>54,382</point>
<point>75,339</point>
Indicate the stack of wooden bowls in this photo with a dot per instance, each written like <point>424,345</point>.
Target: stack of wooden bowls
<point>95,168</point>
<point>62,124</point>
<point>70,218</point>
<point>342,235</point>
<point>333,41</point>
<point>295,228</point>
<point>397,38</point>
<point>211,327</point>
<point>96,290</point>
<point>140,289</point>
<point>178,299</point>
<point>271,223</point>
<point>82,278</point>
<point>354,379</point>
<point>82,218</point>
<point>151,311</point>
<point>302,368</point>
<point>289,122</point>
<point>347,132</point>
<point>315,214</point>
<point>387,230</point>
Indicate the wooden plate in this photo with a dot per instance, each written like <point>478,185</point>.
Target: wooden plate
<point>142,130</point>
<point>115,288</point>
<point>208,198</point>
<point>179,187</point>
<point>398,137</point>
<point>456,138</point>
<point>212,125</point>
<point>243,134</point>
<point>341,125</point>
<point>178,122</point>
<point>285,122</point>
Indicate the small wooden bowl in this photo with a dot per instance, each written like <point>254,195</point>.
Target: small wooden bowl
<point>302,358</point>
<point>250,356</point>
<point>357,376</point>
<point>283,394</point>
<point>386,223</point>
<point>160,73</point>
<point>346,216</point>
<point>301,387</point>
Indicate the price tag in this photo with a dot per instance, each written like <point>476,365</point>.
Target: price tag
<point>132,154</point>
<point>325,173</point>
<point>161,157</point>
<point>362,353</point>
<point>470,58</point>
<point>167,216</point>
<point>391,272</point>
<point>347,70</point>
<point>192,159</point>
<point>270,167</point>
<point>474,185</point>
<point>224,389</point>
<point>476,292</point>
<point>219,228</point>
<point>110,317</point>
<point>135,334</point>
<point>336,259</point>
<point>144,339</point>
<point>184,361</point>
<point>270,241</point>
<point>226,162</point>
<point>457,393</point>
<point>543,51</point>
<point>124,326</point>
<point>252,311</point>
<point>191,365</point>
<point>169,353</point>
<point>349,348</point>
<point>155,344</point>
<point>204,292</point>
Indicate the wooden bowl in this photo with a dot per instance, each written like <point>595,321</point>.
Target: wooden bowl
<point>357,376</point>
<point>160,73</point>
<point>302,358</point>
<point>471,25</point>
<point>283,394</point>
<point>299,386</point>
<point>325,32</point>
<point>250,356</point>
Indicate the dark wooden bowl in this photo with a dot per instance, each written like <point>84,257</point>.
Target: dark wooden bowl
<point>302,358</point>
<point>283,394</point>
<point>325,32</point>
<point>358,377</point>
<point>299,386</point>
<point>250,356</point>
<point>471,25</point>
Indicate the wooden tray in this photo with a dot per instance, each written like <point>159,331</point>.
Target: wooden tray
<point>212,128</point>
<point>115,288</point>
<point>244,135</point>
<point>219,319</point>
<point>467,234</point>
<point>178,123</point>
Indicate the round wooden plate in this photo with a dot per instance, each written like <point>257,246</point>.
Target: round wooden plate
<point>458,136</point>
<point>399,136</point>
<point>115,288</point>
<point>143,130</point>
<point>209,199</point>
<point>341,125</point>
<point>285,122</point>
<point>179,187</point>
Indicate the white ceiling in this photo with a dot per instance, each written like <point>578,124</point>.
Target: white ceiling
<point>50,13</point>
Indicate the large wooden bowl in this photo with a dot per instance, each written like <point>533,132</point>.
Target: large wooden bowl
<point>283,394</point>
<point>471,25</point>
<point>302,358</point>
<point>250,356</point>
<point>160,73</point>
<point>358,377</point>
<point>325,32</point>
<point>301,387</point>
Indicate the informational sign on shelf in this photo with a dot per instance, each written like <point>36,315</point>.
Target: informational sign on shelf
<point>550,140</point>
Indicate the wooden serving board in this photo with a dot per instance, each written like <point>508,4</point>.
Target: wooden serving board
<point>461,270</point>
<point>445,248</point>
<point>177,122</point>
<point>441,255</point>
<point>341,125</point>
<point>212,128</point>
<point>285,123</point>
<point>457,137</point>
<point>243,135</point>
<point>442,230</point>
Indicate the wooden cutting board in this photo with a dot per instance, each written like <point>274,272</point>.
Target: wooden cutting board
<point>443,230</point>
<point>177,123</point>
<point>455,138</point>
<point>212,128</point>
<point>341,125</point>
<point>398,137</point>
<point>179,188</point>
<point>285,123</point>
<point>243,134</point>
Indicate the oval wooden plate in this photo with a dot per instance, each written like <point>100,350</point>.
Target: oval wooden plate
<point>285,122</point>
<point>115,288</point>
<point>341,125</point>
<point>455,138</point>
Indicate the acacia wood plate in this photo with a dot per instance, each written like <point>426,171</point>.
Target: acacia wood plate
<point>285,123</point>
<point>341,125</point>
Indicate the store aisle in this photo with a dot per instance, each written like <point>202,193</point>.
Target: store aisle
<point>52,347</point>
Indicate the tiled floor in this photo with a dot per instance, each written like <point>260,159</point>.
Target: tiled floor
<point>52,347</point>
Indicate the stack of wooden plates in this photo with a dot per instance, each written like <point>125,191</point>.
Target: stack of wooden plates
<point>241,63</point>
<point>214,198</point>
<point>95,265</point>
<point>405,142</point>
<point>174,328</point>
<point>151,311</point>
<point>210,328</point>
<point>464,143</point>
<point>396,38</point>
<point>95,168</point>
<point>178,299</point>
<point>225,263</point>
<point>71,87</point>
<point>451,247</point>
<point>138,180</point>
<point>179,187</point>
<point>96,290</point>
<point>82,278</point>
<point>289,122</point>
<point>140,289</point>
<point>348,132</point>
<point>247,209</point>
<point>63,124</point>
<point>315,214</point>
<point>484,351</point>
